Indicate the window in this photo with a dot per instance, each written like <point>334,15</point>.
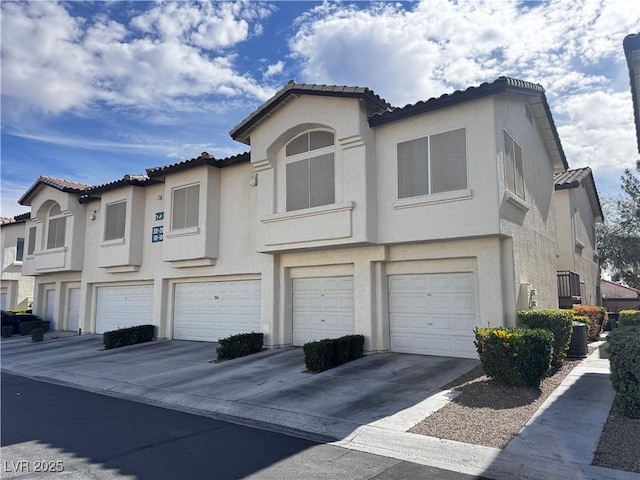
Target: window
<point>310,171</point>
<point>433,164</point>
<point>186,207</point>
<point>19,249</point>
<point>31,247</point>
<point>513,166</point>
<point>115,221</point>
<point>56,230</point>
<point>577,227</point>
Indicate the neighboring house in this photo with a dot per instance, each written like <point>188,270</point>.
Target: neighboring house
<point>578,210</point>
<point>616,297</point>
<point>631,45</point>
<point>16,289</point>
<point>409,225</point>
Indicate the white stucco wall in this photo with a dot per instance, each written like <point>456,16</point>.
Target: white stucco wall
<point>531,224</point>
<point>19,288</point>
<point>578,257</point>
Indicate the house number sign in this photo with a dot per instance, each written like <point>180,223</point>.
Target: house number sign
<point>159,216</point>
<point>156,234</point>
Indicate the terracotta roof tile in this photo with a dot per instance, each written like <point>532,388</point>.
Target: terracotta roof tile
<point>204,159</point>
<point>292,88</point>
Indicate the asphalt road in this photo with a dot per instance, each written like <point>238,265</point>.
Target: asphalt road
<point>52,431</point>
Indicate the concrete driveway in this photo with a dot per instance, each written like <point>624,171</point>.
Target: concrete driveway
<point>269,388</point>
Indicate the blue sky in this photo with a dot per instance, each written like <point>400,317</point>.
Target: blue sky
<point>92,91</point>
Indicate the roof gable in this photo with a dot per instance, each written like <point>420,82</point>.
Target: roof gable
<point>575,178</point>
<point>67,186</point>
<point>293,89</point>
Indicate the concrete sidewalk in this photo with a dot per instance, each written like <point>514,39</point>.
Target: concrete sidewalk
<point>367,405</point>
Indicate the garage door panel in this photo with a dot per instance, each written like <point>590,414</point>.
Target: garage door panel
<point>123,306</point>
<point>322,308</point>
<point>208,311</point>
<point>432,314</point>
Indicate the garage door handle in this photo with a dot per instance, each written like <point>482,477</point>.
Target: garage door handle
<point>322,319</point>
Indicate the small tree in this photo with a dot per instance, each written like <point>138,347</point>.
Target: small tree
<point>619,235</point>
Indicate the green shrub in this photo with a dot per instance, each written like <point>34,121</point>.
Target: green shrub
<point>356,346</point>
<point>7,331</point>
<point>332,352</point>
<point>515,356</point>
<point>604,316</point>
<point>26,327</point>
<point>624,360</point>
<point>128,336</point>
<point>37,334</point>
<point>629,318</point>
<point>239,345</point>
<point>558,322</point>
<point>595,319</point>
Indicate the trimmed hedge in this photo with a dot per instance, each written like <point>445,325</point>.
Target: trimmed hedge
<point>595,318</point>
<point>629,318</point>
<point>37,334</point>
<point>624,360</point>
<point>26,327</point>
<point>239,345</point>
<point>558,322</point>
<point>515,356</point>
<point>128,336</point>
<point>7,331</point>
<point>325,354</point>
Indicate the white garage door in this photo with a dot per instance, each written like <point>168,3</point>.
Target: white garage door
<point>73,313</point>
<point>433,314</point>
<point>50,307</point>
<point>208,311</point>
<point>3,299</point>
<point>322,308</point>
<point>120,307</point>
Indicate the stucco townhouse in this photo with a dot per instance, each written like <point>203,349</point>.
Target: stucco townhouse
<point>409,225</point>
<point>16,290</point>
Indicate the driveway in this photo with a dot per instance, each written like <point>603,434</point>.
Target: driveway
<point>270,388</point>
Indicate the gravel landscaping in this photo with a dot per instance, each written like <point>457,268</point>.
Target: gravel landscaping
<point>487,412</point>
<point>491,414</point>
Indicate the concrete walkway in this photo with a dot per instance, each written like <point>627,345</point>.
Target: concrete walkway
<point>366,405</point>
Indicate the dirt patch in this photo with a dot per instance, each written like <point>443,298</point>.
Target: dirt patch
<point>618,446</point>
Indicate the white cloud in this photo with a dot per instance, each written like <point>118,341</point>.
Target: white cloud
<point>55,62</point>
<point>274,69</point>
<point>574,49</point>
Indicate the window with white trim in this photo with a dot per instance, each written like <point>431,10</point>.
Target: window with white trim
<point>310,170</point>
<point>56,227</point>
<point>19,249</point>
<point>577,227</point>
<point>433,164</point>
<point>31,246</point>
<point>513,172</point>
<point>185,207</point>
<point>115,220</point>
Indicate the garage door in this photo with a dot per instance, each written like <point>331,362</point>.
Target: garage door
<point>433,314</point>
<point>50,307</point>
<point>3,299</point>
<point>73,313</point>
<point>322,308</point>
<point>208,311</point>
<point>120,307</point>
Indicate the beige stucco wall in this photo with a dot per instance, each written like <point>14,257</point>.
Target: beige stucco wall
<point>578,256</point>
<point>19,288</point>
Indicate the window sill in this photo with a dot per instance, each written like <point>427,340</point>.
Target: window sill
<point>112,243</point>
<point>516,201</point>
<point>435,198</point>
<point>309,212</point>
<point>51,251</point>
<point>579,245</point>
<point>182,232</point>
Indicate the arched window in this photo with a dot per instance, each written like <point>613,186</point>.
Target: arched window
<point>56,227</point>
<point>310,170</point>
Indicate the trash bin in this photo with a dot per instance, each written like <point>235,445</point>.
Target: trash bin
<point>578,344</point>
<point>613,321</point>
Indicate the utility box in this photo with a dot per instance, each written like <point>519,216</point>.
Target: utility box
<point>578,344</point>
